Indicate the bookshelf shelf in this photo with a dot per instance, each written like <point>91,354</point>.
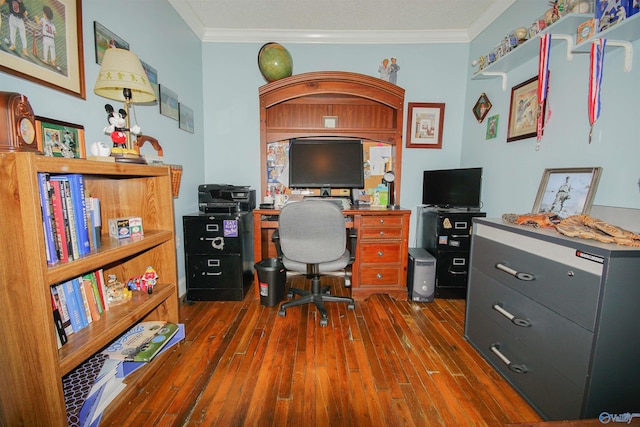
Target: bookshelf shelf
<point>35,376</point>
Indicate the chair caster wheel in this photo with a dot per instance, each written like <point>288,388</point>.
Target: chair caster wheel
<point>351,306</point>
<point>289,295</point>
<point>282,312</point>
<point>324,321</point>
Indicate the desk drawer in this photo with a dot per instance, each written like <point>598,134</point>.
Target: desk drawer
<point>381,220</point>
<point>380,252</point>
<point>373,274</point>
<point>381,233</point>
<point>562,343</point>
<point>569,291</point>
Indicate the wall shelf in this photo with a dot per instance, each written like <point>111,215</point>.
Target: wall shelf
<point>563,29</point>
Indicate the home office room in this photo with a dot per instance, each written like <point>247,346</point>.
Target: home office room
<point>485,251</point>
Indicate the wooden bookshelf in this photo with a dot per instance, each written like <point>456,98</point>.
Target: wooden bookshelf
<point>32,365</point>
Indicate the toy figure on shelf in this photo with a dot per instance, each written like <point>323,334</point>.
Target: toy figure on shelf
<point>149,279</point>
<point>117,292</point>
<point>118,131</point>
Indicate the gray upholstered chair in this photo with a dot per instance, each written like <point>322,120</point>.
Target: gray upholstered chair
<point>311,239</point>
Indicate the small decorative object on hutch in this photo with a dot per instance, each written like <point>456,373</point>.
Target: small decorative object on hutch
<point>567,192</point>
<point>425,124</point>
<point>523,113</point>
<point>274,62</point>
<point>482,107</point>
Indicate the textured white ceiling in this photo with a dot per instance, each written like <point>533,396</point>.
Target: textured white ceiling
<point>373,21</point>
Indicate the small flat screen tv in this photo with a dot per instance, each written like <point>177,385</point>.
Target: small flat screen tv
<point>326,164</point>
<point>452,188</point>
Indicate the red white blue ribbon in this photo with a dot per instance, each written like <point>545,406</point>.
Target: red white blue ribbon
<point>595,81</point>
<point>543,81</point>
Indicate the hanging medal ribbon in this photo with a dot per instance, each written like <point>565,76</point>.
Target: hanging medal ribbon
<point>595,80</point>
<point>543,82</point>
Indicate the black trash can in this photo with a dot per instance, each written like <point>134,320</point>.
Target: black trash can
<point>272,278</point>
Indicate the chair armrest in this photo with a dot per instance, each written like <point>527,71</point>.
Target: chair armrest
<point>275,238</point>
<point>353,241</point>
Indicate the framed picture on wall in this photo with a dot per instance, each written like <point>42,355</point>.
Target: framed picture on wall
<point>567,192</point>
<point>186,118</point>
<point>425,123</point>
<point>105,39</point>
<point>169,103</point>
<point>58,65</point>
<point>482,107</point>
<point>523,113</point>
<point>152,75</point>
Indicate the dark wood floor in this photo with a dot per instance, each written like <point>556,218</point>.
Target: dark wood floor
<point>388,362</point>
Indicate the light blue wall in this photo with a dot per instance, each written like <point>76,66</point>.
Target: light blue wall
<point>512,171</point>
<point>156,33</point>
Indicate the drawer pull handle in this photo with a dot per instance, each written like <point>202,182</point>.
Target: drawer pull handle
<point>527,277</point>
<point>456,273</point>
<point>518,369</point>
<point>381,221</point>
<point>379,276</point>
<point>516,320</point>
<point>382,233</point>
<point>219,273</point>
<point>380,253</point>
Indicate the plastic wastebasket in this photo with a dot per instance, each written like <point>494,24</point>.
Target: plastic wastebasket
<point>272,278</point>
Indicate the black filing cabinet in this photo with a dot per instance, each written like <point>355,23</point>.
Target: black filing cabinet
<point>446,234</point>
<point>218,252</point>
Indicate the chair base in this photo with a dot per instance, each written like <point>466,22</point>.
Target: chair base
<point>317,296</point>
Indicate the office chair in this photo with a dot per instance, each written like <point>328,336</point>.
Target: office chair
<point>311,239</point>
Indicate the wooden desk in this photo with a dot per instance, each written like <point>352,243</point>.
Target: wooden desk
<point>381,254</point>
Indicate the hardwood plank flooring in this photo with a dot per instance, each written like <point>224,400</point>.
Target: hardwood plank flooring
<point>388,362</point>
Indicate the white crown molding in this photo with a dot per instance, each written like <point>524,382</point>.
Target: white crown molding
<point>334,37</point>
<point>496,9</point>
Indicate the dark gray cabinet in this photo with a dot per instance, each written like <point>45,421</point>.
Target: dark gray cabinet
<point>218,251</point>
<point>557,317</point>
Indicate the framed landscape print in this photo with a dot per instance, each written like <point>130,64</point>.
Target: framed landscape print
<point>55,60</point>
<point>60,139</point>
<point>425,123</point>
<point>169,103</point>
<point>567,192</point>
<point>186,118</point>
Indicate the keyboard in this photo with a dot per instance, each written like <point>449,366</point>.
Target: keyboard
<point>341,202</point>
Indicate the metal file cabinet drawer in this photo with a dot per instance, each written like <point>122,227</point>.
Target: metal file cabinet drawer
<point>566,289</point>
<point>214,272</point>
<point>546,388</point>
<point>213,234</point>
<point>452,268</point>
<point>560,342</point>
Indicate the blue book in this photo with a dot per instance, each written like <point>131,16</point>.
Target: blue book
<point>47,218</point>
<point>78,198</point>
<point>77,284</point>
<point>72,305</point>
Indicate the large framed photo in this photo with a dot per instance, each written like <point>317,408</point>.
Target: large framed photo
<point>47,50</point>
<point>105,39</point>
<point>567,192</point>
<point>425,123</point>
<point>60,139</point>
<point>523,114</point>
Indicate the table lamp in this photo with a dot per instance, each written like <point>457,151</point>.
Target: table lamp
<point>122,78</point>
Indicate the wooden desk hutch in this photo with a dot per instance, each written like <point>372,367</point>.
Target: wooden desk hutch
<point>366,108</point>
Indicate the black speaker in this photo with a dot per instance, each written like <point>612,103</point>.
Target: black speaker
<point>421,275</point>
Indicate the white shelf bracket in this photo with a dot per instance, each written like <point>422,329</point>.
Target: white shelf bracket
<point>569,40</point>
<point>628,52</point>
<point>499,74</point>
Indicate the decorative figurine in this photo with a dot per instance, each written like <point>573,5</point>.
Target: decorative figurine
<point>118,131</point>
<point>149,279</point>
<point>117,292</point>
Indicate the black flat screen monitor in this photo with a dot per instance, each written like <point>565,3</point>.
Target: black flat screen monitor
<point>452,188</point>
<point>326,164</point>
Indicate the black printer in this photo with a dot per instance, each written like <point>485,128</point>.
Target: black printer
<point>225,198</point>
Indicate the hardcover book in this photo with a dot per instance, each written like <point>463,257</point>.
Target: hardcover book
<point>142,342</point>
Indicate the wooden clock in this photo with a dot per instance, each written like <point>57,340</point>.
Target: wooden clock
<point>17,123</point>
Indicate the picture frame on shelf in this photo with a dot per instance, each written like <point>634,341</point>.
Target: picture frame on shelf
<point>169,103</point>
<point>330,122</point>
<point>186,118</point>
<point>567,191</point>
<point>482,107</point>
<point>56,138</point>
<point>30,62</point>
<point>425,125</point>
<point>105,39</point>
<point>524,110</point>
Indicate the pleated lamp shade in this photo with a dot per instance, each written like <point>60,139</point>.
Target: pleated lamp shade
<point>121,69</point>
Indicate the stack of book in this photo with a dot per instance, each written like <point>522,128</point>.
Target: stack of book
<point>70,217</point>
<point>90,387</point>
<point>78,302</point>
